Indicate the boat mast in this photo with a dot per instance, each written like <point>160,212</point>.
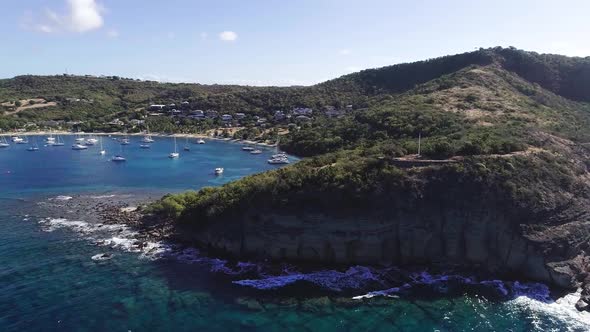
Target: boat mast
<point>419,141</point>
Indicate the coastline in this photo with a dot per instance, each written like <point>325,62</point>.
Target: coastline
<point>118,133</point>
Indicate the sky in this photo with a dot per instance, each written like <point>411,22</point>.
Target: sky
<point>271,42</point>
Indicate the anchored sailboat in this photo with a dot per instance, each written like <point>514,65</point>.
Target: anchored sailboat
<point>174,154</point>
<point>102,151</point>
<point>3,142</point>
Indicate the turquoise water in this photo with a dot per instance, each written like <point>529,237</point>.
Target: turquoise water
<point>51,278</point>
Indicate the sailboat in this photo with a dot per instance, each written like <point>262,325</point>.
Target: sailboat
<point>147,138</point>
<point>58,142</point>
<point>33,146</point>
<point>201,141</point>
<point>174,154</point>
<point>91,141</point>
<point>256,150</point>
<point>50,140</point>
<point>79,138</point>
<point>278,155</point>
<point>186,146</point>
<point>3,142</point>
<point>119,157</point>
<point>125,140</point>
<point>21,140</point>
<point>102,151</point>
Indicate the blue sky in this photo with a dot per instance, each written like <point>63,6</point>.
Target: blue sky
<point>264,42</point>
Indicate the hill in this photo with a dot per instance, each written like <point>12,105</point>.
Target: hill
<point>501,183</point>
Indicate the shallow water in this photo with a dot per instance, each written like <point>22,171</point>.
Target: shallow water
<point>61,271</point>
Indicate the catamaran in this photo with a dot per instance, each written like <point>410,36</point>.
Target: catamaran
<point>3,142</point>
<point>174,154</point>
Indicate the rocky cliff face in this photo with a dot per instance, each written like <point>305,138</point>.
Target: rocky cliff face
<point>480,233</point>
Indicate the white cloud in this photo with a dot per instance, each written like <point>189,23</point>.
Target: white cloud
<point>81,16</point>
<point>228,36</point>
<point>344,52</point>
<point>85,15</point>
<point>113,33</point>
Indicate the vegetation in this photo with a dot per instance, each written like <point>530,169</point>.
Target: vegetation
<point>500,112</point>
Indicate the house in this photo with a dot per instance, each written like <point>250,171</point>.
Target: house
<point>197,114</point>
<point>226,117</point>
<point>302,111</point>
<point>137,122</point>
<point>348,108</point>
<point>332,111</point>
<point>116,122</point>
<point>303,118</point>
<point>156,107</point>
<point>279,115</point>
<point>261,121</point>
<point>240,116</point>
<point>211,114</point>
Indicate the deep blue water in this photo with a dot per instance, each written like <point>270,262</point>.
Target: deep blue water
<point>50,281</point>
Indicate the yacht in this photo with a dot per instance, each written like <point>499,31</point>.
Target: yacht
<point>125,141</point>
<point>78,146</point>
<point>278,161</point>
<point>118,158</point>
<point>50,140</point>
<point>145,146</point>
<point>256,151</point>
<point>201,141</point>
<point>219,171</point>
<point>16,139</point>
<point>174,154</point>
<point>247,148</point>
<point>279,155</point>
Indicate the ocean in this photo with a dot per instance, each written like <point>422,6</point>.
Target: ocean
<point>61,269</point>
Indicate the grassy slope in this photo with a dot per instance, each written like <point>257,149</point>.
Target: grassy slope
<point>478,110</point>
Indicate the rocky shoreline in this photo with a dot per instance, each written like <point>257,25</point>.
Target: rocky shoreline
<point>126,210</point>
